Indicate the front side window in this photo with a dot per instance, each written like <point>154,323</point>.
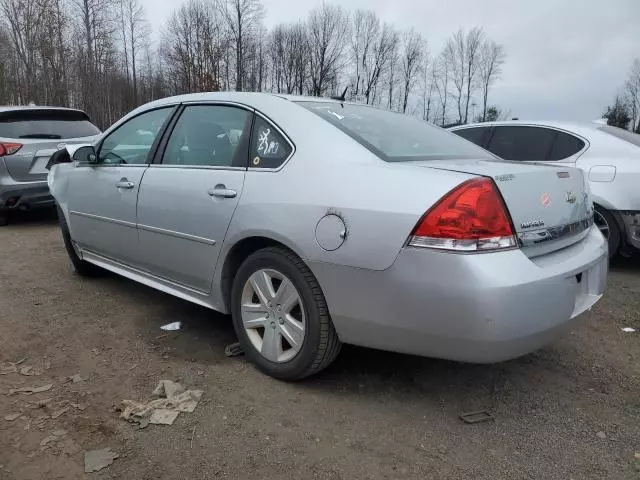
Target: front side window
<point>394,137</point>
<point>209,135</point>
<point>521,143</point>
<point>131,143</point>
<point>269,149</point>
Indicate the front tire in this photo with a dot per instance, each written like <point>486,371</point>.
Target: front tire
<point>81,267</point>
<point>609,229</point>
<point>281,317</point>
<point>4,219</point>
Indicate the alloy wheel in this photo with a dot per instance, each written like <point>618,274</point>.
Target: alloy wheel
<point>273,315</point>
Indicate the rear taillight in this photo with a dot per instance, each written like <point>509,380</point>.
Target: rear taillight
<point>470,218</point>
<point>9,148</point>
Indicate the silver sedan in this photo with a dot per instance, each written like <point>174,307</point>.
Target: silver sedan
<point>316,223</point>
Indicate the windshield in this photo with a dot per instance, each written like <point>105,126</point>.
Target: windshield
<point>46,124</point>
<point>622,134</point>
<point>394,137</point>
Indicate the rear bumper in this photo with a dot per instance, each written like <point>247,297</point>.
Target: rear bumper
<point>480,308</point>
<point>23,195</point>
<point>631,224</point>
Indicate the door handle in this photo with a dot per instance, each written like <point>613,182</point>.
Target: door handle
<point>125,184</point>
<point>222,192</point>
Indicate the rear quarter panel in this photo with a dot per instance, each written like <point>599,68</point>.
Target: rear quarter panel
<point>379,202</point>
<point>607,153</point>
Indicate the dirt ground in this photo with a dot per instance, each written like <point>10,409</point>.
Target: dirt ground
<point>570,411</point>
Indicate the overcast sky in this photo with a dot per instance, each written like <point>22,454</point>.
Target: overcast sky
<point>565,58</point>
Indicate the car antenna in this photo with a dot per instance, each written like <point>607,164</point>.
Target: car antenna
<point>342,97</point>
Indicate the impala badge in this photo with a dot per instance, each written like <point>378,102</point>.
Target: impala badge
<point>571,197</point>
<point>533,223</point>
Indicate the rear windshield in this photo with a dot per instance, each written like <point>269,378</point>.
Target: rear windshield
<point>47,124</point>
<point>622,134</point>
<point>394,137</point>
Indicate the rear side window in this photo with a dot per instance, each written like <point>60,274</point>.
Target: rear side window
<point>269,149</point>
<point>477,135</point>
<point>564,146</point>
<point>522,143</point>
<point>46,124</point>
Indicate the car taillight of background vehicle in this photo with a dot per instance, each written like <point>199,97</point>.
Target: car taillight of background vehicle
<point>470,218</point>
<point>9,148</point>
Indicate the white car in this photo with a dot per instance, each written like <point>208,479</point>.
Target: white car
<point>609,156</point>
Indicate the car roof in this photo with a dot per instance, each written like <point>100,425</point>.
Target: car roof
<point>580,128</point>
<point>255,99</point>
<point>16,108</point>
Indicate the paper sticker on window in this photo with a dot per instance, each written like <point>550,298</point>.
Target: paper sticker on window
<point>267,145</point>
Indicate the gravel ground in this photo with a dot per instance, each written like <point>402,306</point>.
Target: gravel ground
<point>570,411</point>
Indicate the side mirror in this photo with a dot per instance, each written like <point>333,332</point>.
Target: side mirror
<point>83,154</point>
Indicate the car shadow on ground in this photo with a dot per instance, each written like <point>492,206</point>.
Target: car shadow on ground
<point>33,218</point>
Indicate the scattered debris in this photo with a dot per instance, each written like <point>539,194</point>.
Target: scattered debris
<point>172,327</point>
<point>25,370</point>
<point>76,378</point>
<point>133,367</point>
<point>628,329</point>
<point>96,460</point>
<point>164,410</point>
<point>476,417</point>
<point>12,417</point>
<point>193,434</point>
<point>601,435</point>
<point>30,390</point>
<point>78,406</point>
<point>95,351</point>
<point>160,337</point>
<point>233,350</point>
<point>163,416</point>
<point>54,437</point>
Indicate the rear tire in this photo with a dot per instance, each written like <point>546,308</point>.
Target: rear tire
<point>609,229</point>
<point>82,268</point>
<point>315,343</point>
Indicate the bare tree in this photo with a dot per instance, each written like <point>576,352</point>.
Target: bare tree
<point>632,87</point>
<point>489,69</point>
<point>474,40</point>
<point>328,32</point>
<point>371,49</point>
<point>442,75</point>
<point>413,52</point>
<point>135,37</point>
<point>428,88</point>
<point>462,52</point>
<point>242,18</point>
<point>392,76</point>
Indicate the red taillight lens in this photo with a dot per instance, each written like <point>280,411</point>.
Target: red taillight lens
<point>9,148</point>
<point>471,217</point>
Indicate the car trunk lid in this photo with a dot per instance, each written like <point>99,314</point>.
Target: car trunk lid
<point>550,207</point>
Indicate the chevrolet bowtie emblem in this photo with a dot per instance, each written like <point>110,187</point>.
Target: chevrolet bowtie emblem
<point>571,197</point>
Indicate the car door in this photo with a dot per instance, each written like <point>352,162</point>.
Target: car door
<point>102,196</point>
<point>186,201</point>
